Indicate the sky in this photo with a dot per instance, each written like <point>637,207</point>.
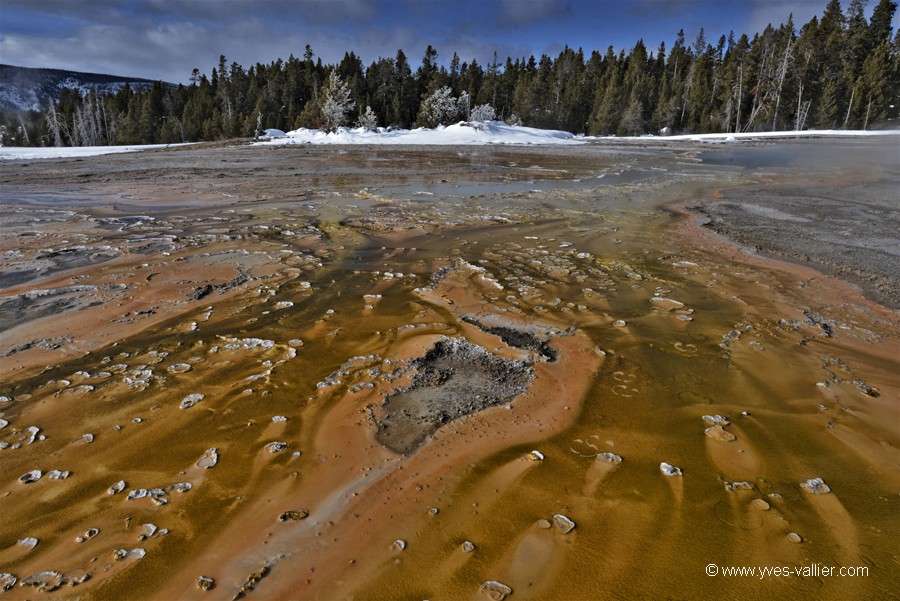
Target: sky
<point>167,39</point>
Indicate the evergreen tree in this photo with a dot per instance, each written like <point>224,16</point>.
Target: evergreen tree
<point>336,102</point>
<point>828,106</point>
<point>881,23</point>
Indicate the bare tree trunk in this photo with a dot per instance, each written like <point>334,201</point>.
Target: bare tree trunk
<point>728,108</point>
<point>799,104</point>
<point>849,108</point>
<point>868,108</point>
<point>24,130</point>
<point>781,75</point>
<point>737,127</point>
<point>55,125</point>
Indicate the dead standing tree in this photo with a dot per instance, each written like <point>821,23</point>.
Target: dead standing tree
<point>56,125</point>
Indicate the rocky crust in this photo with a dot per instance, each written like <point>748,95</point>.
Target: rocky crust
<point>453,379</point>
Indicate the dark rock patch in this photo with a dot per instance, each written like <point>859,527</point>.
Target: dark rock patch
<point>455,378</point>
<point>517,338</point>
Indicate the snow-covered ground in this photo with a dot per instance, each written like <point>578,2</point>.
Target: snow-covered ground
<point>497,132</point>
<point>491,132</point>
<point>12,153</point>
<point>461,134</point>
<point>807,133</point>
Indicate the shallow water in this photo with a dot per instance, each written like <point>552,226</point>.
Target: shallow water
<point>571,258</point>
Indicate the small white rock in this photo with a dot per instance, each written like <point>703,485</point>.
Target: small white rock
<point>191,400</point>
<point>669,470</point>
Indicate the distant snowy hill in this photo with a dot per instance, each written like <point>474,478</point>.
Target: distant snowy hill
<point>26,89</point>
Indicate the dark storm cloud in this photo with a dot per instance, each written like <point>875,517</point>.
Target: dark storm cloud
<point>166,39</point>
<point>524,12</point>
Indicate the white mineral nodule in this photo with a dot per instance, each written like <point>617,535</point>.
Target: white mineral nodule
<point>715,420</point>
<point>564,524</point>
<point>32,476</point>
<point>7,581</point>
<point>209,459</point>
<point>276,447</point>
<point>398,545</point>
<point>669,470</point>
<point>44,581</point>
<point>816,486</point>
<point>191,400</point>
<point>496,591</point>
<point>148,531</point>
<point>139,493</point>
<point>667,304</point>
<point>609,458</point>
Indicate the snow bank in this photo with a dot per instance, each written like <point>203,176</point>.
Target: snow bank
<point>809,133</point>
<point>463,133</point>
<point>13,153</point>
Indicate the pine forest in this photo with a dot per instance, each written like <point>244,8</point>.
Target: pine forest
<point>839,70</point>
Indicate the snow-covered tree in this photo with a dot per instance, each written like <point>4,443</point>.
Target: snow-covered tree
<point>482,113</point>
<point>514,119</point>
<point>259,132</point>
<point>336,102</point>
<point>439,108</point>
<point>463,105</point>
<point>368,120</point>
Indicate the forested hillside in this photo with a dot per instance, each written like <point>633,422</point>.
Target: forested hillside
<point>837,70</point>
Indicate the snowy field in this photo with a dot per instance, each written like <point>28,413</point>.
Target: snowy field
<point>497,132</point>
<point>808,133</point>
<point>460,134</point>
<point>13,153</point>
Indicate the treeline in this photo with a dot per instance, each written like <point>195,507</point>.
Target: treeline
<point>839,70</point>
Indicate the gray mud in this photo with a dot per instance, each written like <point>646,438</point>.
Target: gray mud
<point>517,338</point>
<point>851,233</point>
<point>453,379</point>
